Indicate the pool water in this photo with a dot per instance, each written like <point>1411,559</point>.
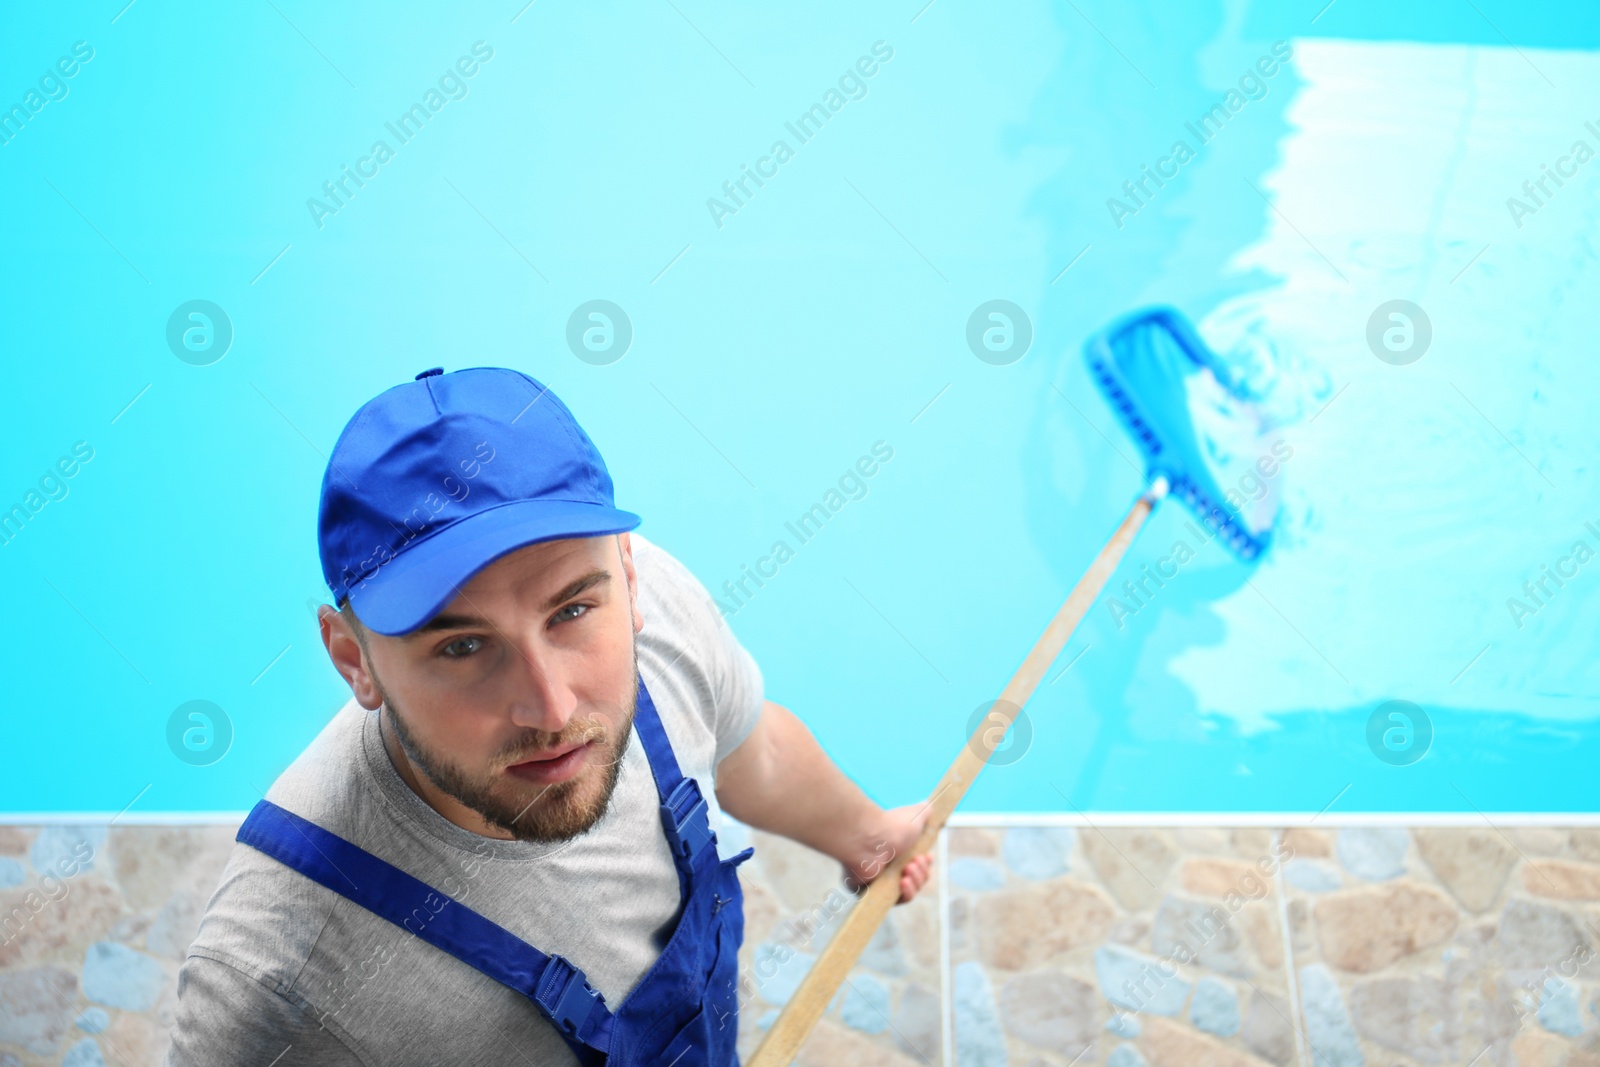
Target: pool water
<point>785,328</point>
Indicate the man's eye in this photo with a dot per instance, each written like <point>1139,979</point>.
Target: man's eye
<point>461,647</point>
<point>570,612</point>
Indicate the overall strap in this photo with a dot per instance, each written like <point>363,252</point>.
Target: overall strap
<point>684,814</point>
<point>560,991</point>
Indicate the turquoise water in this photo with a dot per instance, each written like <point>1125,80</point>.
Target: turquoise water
<point>776,343</point>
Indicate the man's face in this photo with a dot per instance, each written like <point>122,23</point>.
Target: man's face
<point>533,659</point>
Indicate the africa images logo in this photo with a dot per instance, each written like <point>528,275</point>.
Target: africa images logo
<point>52,86</point>
<point>451,85</point>
<point>852,85</point>
<point>1252,85</point>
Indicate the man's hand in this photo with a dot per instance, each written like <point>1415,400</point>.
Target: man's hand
<point>896,834</point>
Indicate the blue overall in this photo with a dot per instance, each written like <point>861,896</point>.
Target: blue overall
<point>682,1013</point>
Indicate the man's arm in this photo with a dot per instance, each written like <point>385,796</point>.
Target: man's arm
<point>780,780</point>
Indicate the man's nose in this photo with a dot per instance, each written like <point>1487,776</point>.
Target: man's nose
<point>544,700</point>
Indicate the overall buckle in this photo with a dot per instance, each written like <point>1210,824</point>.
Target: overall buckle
<point>686,819</point>
<point>566,995</point>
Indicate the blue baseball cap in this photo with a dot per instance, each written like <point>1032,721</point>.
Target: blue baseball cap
<point>433,480</point>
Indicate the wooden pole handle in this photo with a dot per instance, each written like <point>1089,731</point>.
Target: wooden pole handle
<point>793,1025</point>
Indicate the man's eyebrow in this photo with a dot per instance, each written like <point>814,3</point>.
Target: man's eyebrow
<point>472,622</point>
<point>576,586</point>
<point>449,622</point>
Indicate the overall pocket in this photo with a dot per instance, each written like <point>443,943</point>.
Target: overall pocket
<point>709,1036</point>
<point>730,895</point>
<point>722,983</point>
<point>690,1047</point>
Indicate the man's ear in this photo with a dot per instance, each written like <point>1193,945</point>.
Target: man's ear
<point>625,551</point>
<point>348,657</point>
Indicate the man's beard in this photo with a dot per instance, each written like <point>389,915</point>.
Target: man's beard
<point>528,812</point>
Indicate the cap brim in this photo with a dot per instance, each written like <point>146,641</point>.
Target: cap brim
<point>422,578</point>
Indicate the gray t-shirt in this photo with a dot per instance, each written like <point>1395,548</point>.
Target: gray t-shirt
<point>286,972</point>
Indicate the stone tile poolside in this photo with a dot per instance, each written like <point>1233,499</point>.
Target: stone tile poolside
<point>1162,947</point>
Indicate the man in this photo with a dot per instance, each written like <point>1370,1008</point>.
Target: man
<point>503,850</point>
